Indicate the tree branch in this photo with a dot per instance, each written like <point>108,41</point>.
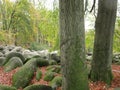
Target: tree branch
<point>93,6</point>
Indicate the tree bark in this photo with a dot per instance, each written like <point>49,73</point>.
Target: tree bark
<point>72,45</point>
<point>103,45</point>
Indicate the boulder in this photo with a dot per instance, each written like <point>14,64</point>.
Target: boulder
<point>38,87</point>
<point>49,76</point>
<point>38,74</point>
<point>54,68</point>
<point>23,77</point>
<point>14,54</point>
<point>55,57</point>
<point>2,61</point>
<point>4,87</point>
<point>17,49</point>
<point>44,54</point>
<point>56,82</point>
<point>1,54</point>
<point>13,63</point>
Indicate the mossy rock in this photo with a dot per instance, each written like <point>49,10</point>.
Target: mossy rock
<point>56,82</point>
<point>13,63</point>
<point>38,87</point>
<point>49,76</point>
<point>3,87</point>
<point>23,77</point>
<point>2,61</point>
<point>54,68</point>
<point>52,62</point>
<point>38,74</point>
<point>14,54</point>
<point>42,62</point>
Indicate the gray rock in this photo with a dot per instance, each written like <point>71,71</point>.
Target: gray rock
<point>89,58</point>
<point>2,60</point>
<point>1,48</point>
<point>1,54</point>
<point>44,54</point>
<point>28,54</point>
<point>17,49</point>
<point>13,63</point>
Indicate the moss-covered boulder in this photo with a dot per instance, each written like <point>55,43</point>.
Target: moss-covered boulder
<point>49,76</point>
<point>54,68</point>
<point>23,77</point>
<point>52,62</point>
<point>14,54</point>
<point>42,62</point>
<point>2,61</point>
<point>38,87</point>
<point>56,82</point>
<point>38,74</point>
<point>13,63</point>
<point>3,87</point>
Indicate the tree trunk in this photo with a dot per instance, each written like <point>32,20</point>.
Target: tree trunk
<point>104,30</point>
<point>72,45</point>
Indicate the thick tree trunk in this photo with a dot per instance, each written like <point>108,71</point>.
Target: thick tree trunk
<point>72,45</point>
<point>104,30</point>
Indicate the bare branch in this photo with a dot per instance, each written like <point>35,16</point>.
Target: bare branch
<point>93,6</point>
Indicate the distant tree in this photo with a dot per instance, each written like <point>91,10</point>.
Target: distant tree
<point>72,45</point>
<point>103,45</point>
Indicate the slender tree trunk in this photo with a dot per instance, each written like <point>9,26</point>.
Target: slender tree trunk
<point>104,30</point>
<point>72,45</point>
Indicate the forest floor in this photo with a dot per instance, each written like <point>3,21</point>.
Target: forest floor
<point>6,79</point>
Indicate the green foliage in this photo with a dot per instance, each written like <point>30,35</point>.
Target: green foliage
<point>89,40</point>
<point>37,46</point>
<point>38,74</point>
<point>116,43</point>
<point>49,26</point>
<point>39,25</point>
<point>3,87</point>
<point>12,64</point>
<point>38,87</point>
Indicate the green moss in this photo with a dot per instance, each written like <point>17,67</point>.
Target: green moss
<point>52,62</point>
<point>38,75</point>
<point>22,77</point>
<point>26,72</point>
<point>14,54</point>
<point>3,87</point>
<point>42,62</point>
<point>13,63</point>
<point>56,82</point>
<point>38,87</point>
<point>49,76</point>
<point>54,68</point>
<point>2,60</point>
<point>106,76</point>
